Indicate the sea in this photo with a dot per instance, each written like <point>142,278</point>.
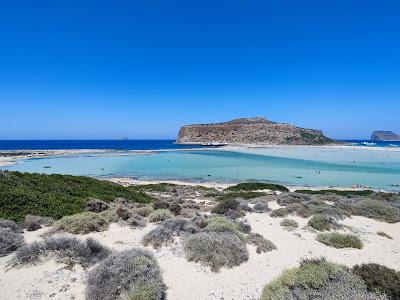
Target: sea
<point>373,165</point>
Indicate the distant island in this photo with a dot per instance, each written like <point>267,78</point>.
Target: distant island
<point>251,131</point>
<point>388,136</point>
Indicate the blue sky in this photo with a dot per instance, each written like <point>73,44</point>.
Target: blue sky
<point>141,69</point>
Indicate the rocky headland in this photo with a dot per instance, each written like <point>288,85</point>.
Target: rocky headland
<point>251,131</point>
<point>384,136</point>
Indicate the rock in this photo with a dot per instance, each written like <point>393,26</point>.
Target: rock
<point>251,131</point>
<point>384,136</point>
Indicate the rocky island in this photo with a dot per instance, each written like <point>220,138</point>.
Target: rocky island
<point>251,131</point>
<point>384,136</point>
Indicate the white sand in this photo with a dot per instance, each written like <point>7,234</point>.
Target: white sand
<point>192,281</point>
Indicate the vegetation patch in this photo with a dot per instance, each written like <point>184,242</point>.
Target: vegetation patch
<point>262,244</point>
<point>221,224</point>
<point>10,240</point>
<point>166,231</point>
<point>63,248</point>
<point>340,240</point>
<point>82,223</point>
<point>376,209</point>
<point>289,224</point>
<point>215,249</point>
<point>318,279</point>
<point>322,222</point>
<point>55,195</point>
<point>160,215</point>
<point>156,187</point>
<point>384,234</point>
<point>279,213</point>
<point>380,278</point>
<point>344,193</point>
<point>130,274</point>
<point>239,195</point>
<point>254,186</point>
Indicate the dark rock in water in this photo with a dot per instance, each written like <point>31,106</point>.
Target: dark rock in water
<point>385,136</point>
<point>251,131</point>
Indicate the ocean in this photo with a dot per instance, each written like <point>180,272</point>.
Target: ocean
<point>367,166</point>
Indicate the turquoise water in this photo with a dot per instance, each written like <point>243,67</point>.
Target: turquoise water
<point>375,169</point>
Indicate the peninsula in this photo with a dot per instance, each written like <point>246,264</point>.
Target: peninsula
<point>385,136</point>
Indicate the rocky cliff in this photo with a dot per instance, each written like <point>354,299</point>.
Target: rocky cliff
<point>384,136</point>
<point>251,131</point>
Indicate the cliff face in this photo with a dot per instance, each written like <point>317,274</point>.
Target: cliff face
<point>251,131</point>
<point>384,136</point>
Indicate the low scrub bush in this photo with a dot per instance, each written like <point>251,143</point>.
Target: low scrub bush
<point>322,222</point>
<point>9,224</point>
<point>377,210</point>
<point>10,240</point>
<point>340,240</point>
<point>130,274</point>
<point>221,224</point>
<point>380,278</point>
<point>254,186</point>
<point>318,279</point>
<point>144,211</point>
<point>156,187</point>
<point>215,249</point>
<point>384,234</point>
<point>279,213</point>
<point>291,198</point>
<point>63,248</point>
<point>262,244</point>
<point>56,195</point>
<point>166,231</point>
<point>337,192</point>
<point>82,223</point>
<point>289,224</point>
<point>160,215</point>
<point>160,205</point>
<point>224,206</point>
<point>96,205</point>
<point>32,223</point>
<point>261,207</point>
<point>239,195</point>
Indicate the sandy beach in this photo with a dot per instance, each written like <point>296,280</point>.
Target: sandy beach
<point>187,280</point>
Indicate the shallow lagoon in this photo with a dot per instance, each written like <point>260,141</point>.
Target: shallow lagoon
<point>302,166</point>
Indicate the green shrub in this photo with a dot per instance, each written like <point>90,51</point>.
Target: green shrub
<point>215,249</point>
<point>321,222</point>
<point>153,187</point>
<point>279,213</point>
<point>384,234</point>
<point>289,224</point>
<point>55,195</point>
<point>337,192</point>
<point>224,206</point>
<point>380,278</point>
<point>376,209</point>
<point>144,211</point>
<point>319,279</point>
<point>339,240</point>
<point>160,215</point>
<point>254,186</point>
<point>262,244</point>
<point>82,223</point>
<point>130,274</point>
<point>221,224</point>
<point>310,275</point>
<point>239,195</point>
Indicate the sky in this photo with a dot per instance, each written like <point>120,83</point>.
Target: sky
<point>141,69</point>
